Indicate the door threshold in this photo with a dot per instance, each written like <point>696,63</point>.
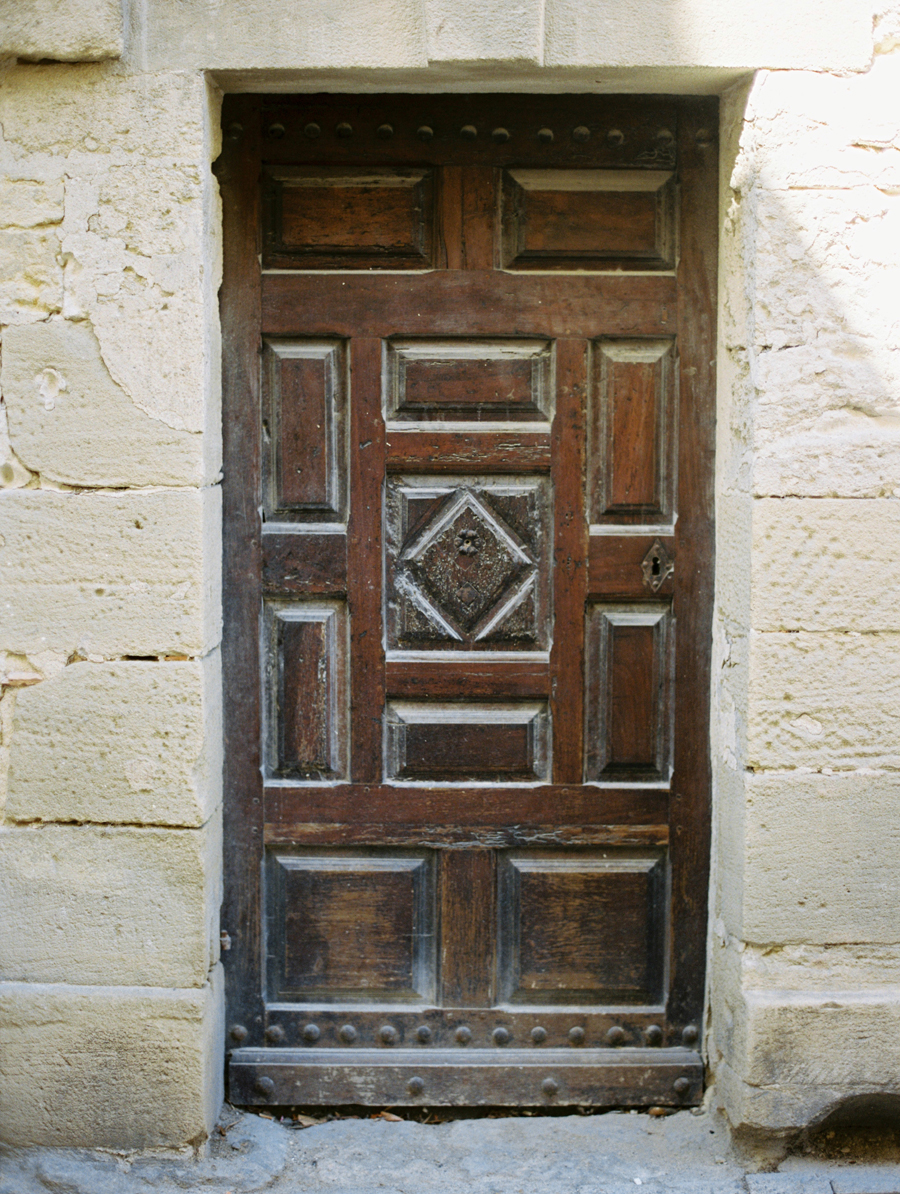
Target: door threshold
<point>466,1077</point>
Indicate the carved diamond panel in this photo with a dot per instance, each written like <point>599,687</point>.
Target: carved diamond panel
<point>467,563</point>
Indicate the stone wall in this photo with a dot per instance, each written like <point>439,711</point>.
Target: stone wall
<point>110,850</point>
<point>806,924</point>
<point>110,729</point>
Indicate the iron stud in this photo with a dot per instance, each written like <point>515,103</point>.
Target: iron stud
<point>423,1033</point>
<point>545,135</point>
<point>539,1035</point>
<point>576,1036</point>
<point>690,1034</point>
<point>615,137</point>
<point>415,1086</point>
<point>425,132</point>
<point>463,1035</point>
<point>388,1034</point>
<point>311,1033</point>
<point>500,1036</point>
<point>343,129</point>
<point>238,1033</point>
<point>384,132</point>
<point>347,1034</point>
<point>654,1035</point>
<point>582,133</point>
<point>681,1086</point>
<point>550,1086</point>
<point>615,1036</point>
<point>265,1086</point>
<point>468,132</point>
<point>312,130</point>
<point>274,1034</point>
<point>500,135</point>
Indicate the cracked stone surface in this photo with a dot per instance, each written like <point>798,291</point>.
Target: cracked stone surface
<point>572,1154</point>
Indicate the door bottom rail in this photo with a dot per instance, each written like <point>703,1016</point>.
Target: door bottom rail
<point>471,1077</point>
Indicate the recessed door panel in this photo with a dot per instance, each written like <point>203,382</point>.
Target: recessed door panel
<point>345,927</point>
<point>470,382</point>
<point>459,742</point>
<point>588,219</point>
<point>631,475</point>
<point>629,693</point>
<point>349,218</point>
<point>581,927</point>
<point>466,563</point>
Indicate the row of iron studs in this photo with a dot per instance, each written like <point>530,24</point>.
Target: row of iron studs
<point>468,132</point>
<point>388,1035</point>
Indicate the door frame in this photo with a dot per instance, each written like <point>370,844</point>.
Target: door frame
<point>690,818</point>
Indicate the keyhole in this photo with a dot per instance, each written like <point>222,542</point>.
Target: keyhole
<point>654,566</point>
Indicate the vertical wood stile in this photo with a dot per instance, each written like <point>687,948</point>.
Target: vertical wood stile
<point>570,561</point>
<point>238,173</point>
<point>364,576</point>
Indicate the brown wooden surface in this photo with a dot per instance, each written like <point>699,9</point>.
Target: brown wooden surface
<point>473,754</point>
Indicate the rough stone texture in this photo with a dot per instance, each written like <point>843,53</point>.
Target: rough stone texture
<point>841,890</point>
<point>110,574</point>
<point>96,905</point>
<point>402,35</point>
<point>64,30</point>
<point>805,935</point>
<point>70,422</point>
<point>133,248</point>
<point>109,1067</point>
<point>119,743</point>
<point>803,1054</point>
<point>825,565</point>
<point>824,701</point>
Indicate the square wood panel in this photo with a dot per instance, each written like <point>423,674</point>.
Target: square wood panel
<point>581,927</point>
<point>467,563</point>
<point>349,926</point>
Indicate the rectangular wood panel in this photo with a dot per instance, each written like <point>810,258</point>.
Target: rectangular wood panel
<point>588,219</point>
<point>350,926</point>
<point>632,428</point>
<point>304,430</point>
<point>465,743</point>
<point>581,927</point>
<point>630,654</point>
<point>319,217</point>
<point>470,381</point>
<point>306,690</point>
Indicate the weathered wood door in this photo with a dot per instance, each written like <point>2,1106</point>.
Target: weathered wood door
<point>468,576</point>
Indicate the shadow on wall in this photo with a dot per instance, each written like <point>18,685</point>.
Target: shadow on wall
<point>805,924</point>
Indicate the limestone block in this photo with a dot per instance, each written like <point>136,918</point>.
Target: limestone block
<point>70,422</point>
<point>706,33</point>
<point>108,1067</point>
<point>64,30</point>
<point>30,202</point>
<point>114,906</point>
<point>859,966</point>
<point>822,859</point>
<point>484,30</point>
<point>259,34</point>
<point>112,743</point>
<point>110,573</point>
<point>825,564</point>
<point>100,113</point>
<point>803,1053</point>
<point>30,274</point>
<point>815,130</point>
<point>824,701</point>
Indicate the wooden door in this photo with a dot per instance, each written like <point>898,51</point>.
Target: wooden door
<point>468,574</point>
